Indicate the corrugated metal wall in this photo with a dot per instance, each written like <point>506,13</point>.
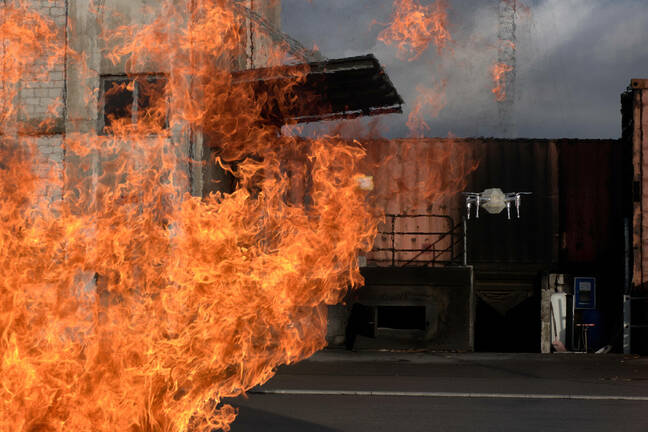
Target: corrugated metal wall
<point>640,165</point>
<point>572,222</point>
<point>565,220</point>
<point>418,177</point>
<point>516,166</point>
<point>591,201</point>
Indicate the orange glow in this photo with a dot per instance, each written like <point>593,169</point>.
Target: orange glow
<point>498,73</point>
<point>31,45</point>
<point>416,177</point>
<point>414,27</point>
<point>429,102</point>
<point>131,305</point>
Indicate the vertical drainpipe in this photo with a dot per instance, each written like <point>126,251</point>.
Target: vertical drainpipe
<point>2,54</point>
<point>627,288</point>
<point>65,58</point>
<point>251,36</point>
<point>64,113</point>
<point>465,241</point>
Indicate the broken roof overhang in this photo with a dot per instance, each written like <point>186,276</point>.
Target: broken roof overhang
<point>332,89</point>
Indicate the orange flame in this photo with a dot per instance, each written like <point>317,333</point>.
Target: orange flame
<point>414,27</point>
<point>429,101</point>
<point>130,305</point>
<point>499,72</point>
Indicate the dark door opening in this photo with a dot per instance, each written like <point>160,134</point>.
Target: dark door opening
<point>517,330</point>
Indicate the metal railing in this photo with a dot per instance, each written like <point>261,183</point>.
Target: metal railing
<point>442,248</point>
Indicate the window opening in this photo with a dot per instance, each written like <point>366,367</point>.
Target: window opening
<point>401,317</point>
<point>134,98</point>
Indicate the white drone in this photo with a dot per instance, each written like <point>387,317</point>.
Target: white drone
<point>494,201</point>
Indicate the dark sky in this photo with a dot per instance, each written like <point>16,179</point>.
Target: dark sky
<point>574,58</point>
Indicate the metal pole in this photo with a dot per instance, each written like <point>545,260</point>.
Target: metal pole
<point>453,235</point>
<point>393,226</point>
<point>507,55</point>
<point>465,241</point>
<point>627,290</point>
<point>627,328</point>
<point>627,282</point>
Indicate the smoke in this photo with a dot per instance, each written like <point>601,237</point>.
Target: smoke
<point>574,58</point>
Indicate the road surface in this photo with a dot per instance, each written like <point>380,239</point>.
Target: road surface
<point>382,391</point>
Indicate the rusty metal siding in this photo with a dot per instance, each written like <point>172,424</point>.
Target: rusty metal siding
<point>417,177</point>
<point>566,221</point>
<point>642,138</point>
<point>637,155</point>
<point>634,114</point>
<point>638,119</point>
<point>589,190</point>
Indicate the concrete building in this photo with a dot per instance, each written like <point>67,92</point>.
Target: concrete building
<point>70,97</point>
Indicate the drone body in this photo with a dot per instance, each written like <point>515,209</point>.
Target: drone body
<point>494,201</point>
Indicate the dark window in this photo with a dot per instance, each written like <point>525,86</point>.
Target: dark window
<point>151,103</point>
<point>134,99</point>
<point>118,100</point>
<point>402,317</point>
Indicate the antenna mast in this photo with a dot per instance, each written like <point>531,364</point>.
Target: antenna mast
<point>506,56</point>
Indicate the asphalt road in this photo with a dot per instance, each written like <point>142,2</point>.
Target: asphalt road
<point>337,391</point>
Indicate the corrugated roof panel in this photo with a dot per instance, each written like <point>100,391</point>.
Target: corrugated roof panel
<point>340,88</point>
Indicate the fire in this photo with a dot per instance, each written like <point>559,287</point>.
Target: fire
<point>27,38</point>
<point>438,169</point>
<point>429,101</point>
<point>414,27</point>
<point>129,304</point>
<point>499,73</point>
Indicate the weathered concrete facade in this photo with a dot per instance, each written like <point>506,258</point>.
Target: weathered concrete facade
<point>440,303</point>
<point>41,101</point>
<point>42,97</point>
<point>68,95</point>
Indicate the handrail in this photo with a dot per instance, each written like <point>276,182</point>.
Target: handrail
<point>431,246</point>
<point>454,234</point>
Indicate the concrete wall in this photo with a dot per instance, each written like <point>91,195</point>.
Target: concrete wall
<point>49,165</point>
<point>92,60</point>
<point>260,48</point>
<point>259,52</point>
<point>84,71</point>
<point>42,97</point>
<point>67,95</point>
<point>445,293</point>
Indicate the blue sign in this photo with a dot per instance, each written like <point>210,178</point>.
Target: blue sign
<point>585,293</point>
